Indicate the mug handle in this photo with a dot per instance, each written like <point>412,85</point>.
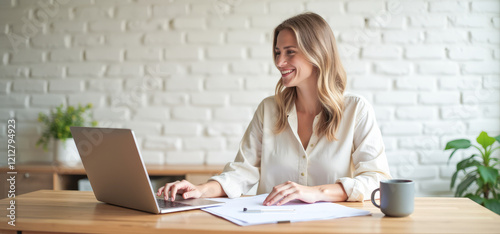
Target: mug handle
<point>373,197</point>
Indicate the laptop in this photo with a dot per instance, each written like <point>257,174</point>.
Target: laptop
<point>117,174</point>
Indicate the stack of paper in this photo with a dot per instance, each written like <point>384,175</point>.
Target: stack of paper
<point>233,211</point>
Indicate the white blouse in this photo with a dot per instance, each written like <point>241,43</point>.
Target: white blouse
<point>357,159</point>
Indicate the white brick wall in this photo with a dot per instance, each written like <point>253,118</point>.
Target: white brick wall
<point>186,76</point>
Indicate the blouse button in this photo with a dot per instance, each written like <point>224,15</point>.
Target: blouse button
<point>312,145</point>
<point>302,174</point>
<point>303,156</point>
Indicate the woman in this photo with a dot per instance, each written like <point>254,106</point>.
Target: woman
<point>310,141</point>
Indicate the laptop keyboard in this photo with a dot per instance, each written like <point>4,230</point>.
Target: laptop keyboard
<point>168,204</point>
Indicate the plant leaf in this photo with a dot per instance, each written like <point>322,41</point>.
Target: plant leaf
<point>477,199</point>
<point>497,138</point>
<point>453,178</point>
<point>464,185</point>
<point>485,140</point>
<point>468,162</point>
<point>480,183</point>
<point>451,155</point>
<point>58,121</point>
<point>488,174</point>
<point>458,144</point>
<point>493,205</point>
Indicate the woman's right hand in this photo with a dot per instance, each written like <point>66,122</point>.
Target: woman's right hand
<point>183,187</point>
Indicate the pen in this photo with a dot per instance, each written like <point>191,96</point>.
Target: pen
<point>267,210</point>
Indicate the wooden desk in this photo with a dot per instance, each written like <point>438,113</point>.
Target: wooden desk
<point>32,177</point>
<point>79,212</point>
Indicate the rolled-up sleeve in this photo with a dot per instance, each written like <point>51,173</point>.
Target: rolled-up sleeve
<point>368,157</point>
<point>243,173</point>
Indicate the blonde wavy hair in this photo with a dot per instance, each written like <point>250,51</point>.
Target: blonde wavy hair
<point>316,40</point>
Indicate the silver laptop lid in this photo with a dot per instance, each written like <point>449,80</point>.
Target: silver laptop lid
<point>115,167</point>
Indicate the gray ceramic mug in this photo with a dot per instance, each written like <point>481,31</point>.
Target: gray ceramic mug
<point>396,197</point>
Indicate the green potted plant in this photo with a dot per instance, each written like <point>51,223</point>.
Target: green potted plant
<point>56,128</point>
<point>480,169</point>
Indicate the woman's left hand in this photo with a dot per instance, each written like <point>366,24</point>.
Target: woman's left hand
<point>289,191</point>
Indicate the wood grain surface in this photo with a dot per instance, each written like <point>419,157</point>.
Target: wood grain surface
<point>79,212</point>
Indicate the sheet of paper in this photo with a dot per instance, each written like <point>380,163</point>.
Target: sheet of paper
<point>232,210</point>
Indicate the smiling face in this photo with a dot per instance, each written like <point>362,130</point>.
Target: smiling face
<point>290,61</point>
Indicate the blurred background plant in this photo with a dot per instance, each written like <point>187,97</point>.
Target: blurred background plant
<point>58,121</point>
<point>480,169</point>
